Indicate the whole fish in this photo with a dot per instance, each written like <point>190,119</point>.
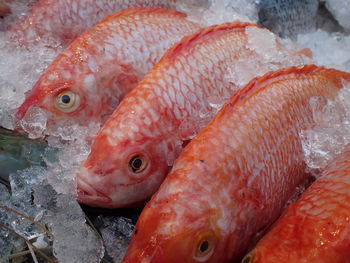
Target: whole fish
<point>85,83</point>
<point>316,228</point>
<point>64,20</point>
<point>137,145</point>
<point>233,179</point>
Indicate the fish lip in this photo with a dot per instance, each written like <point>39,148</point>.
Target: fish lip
<point>89,195</point>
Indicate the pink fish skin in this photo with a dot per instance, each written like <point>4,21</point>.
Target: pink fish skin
<point>64,20</point>
<point>316,228</point>
<point>102,65</point>
<point>234,178</point>
<point>145,128</point>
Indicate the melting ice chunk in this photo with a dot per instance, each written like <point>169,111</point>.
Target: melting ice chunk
<point>34,122</point>
<point>340,10</point>
<point>329,49</point>
<point>116,234</point>
<point>328,135</point>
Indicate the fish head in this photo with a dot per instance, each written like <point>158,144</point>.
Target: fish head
<point>75,101</point>
<point>122,170</point>
<point>173,232</point>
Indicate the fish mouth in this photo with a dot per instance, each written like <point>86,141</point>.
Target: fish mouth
<point>86,194</point>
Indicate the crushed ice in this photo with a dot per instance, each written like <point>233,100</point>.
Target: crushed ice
<point>329,133</point>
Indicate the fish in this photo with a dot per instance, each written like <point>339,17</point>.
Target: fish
<point>233,179</point>
<point>288,18</point>
<point>4,9</point>
<point>64,20</point>
<point>136,147</point>
<point>315,228</point>
<point>90,77</point>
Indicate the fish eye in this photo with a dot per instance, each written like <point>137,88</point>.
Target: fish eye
<point>138,163</point>
<point>249,258</point>
<point>204,247</point>
<point>67,101</point>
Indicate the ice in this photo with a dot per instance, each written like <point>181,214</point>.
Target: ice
<point>74,241</point>
<point>48,196</point>
<point>34,122</point>
<point>288,17</point>
<point>329,49</point>
<point>269,55</point>
<point>19,9</point>
<point>219,11</point>
<point>116,234</point>
<point>329,133</point>
<point>262,41</point>
<point>340,10</point>
<point>20,68</point>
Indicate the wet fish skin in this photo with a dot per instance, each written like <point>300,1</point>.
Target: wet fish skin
<point>102,65</point>
<point>147,122</point>
<point>4,9</point>
<point>315,228</point>
<point>288,18</point>
<point>234,178</point>
<point>65,20</point>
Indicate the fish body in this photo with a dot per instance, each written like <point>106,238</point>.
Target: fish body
<point>150,126</point>
<point>316,228</point>
<point>86,81</point>
<point>288,17</point>
<point>4,9</point>
<point>234,178</point>
<point>64,20</point>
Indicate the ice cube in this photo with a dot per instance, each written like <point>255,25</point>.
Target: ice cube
<point>340,10</point>
<point>34,122</point>
<point>329,133</point>
<point>116,233</point>
<point>329,49</point>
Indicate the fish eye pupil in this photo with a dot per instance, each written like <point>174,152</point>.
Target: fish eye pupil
<point>137,163</point>
<point>65,99</point>
<point>204,246</point>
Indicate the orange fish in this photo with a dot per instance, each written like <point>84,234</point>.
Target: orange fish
<point>64,20</point>
<point>85,83</point>
<point>137,145</point>
<point>234,178</point>
<point>316,228</point>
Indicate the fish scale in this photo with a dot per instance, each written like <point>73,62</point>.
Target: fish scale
<point>102,65</point>
<point>315,228</point>
<point>175,91</point>
<point>67,19</point>
<point>214,190</point>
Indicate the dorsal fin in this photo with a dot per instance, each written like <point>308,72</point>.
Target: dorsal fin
<point>142,10</point>
<point>336,75</point>
<point>188,41</point>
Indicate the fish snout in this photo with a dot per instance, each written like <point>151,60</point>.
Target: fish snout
<point>87,194</point>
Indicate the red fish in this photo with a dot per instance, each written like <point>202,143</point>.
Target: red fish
<point>135,149</point>
<point>85,82</point>
<point>234,178</point>
<point>4,8</point>
<point>66,19</point>
<point>316,228</point>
